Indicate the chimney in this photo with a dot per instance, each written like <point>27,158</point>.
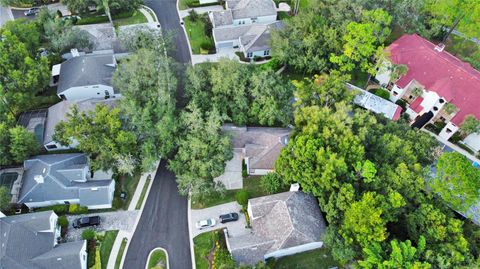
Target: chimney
<point>295,187</point>
<point>439,47</point>
<point>74,53</point>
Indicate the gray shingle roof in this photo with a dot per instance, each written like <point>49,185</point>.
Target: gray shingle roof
<point>85,70</point>
<point>221,18</point>
<point>27,237</point>
<point>62,256</point>
<point>230,33</point>
<point>258,37</point>
<point>262,144</point>
<point>252,8</point>
<point>59,111</point>
<point>279,221</point>
<point>58,185</point>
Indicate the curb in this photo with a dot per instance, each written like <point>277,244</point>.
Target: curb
<point>151,252</point>
<point>140,211</point>
<point>151,12</point>
<point>192,249</point>
<point>186,35</point>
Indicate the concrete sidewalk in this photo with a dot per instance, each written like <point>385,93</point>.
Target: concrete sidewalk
<point>148,13</point>
<point>131,207</point>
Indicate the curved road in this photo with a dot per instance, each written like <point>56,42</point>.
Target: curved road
<point>164,221</point>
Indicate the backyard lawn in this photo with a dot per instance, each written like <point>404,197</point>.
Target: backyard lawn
<point>158,260</point>
<point>250,184</point>
<point>136,18</point>
<point>315,259</point>
<point>106,246</point>
<point>196,35</point>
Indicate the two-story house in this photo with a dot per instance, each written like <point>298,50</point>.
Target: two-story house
<point>437,86</point>
<point>245,25</point>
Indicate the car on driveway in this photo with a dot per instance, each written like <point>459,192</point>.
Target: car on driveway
<point>86,222</point>
<point>205,223</point>
<point>32,12</point>
<point>228,217</point>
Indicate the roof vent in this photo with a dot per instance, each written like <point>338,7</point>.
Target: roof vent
<point>39,179</point>
<point>74,52</point>
<point>440,47</point>
<point>295,187</point>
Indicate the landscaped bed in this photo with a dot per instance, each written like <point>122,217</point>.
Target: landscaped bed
<point>211,250</point>
<point>158,260</point>
<point>118,261</point>
<point>199,34</point>
<point>99,247</point>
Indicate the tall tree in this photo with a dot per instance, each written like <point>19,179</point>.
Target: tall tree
<point>99,133</point>
<point>470,125</point>
<point>456,181</point>
<point>202,153</point>
<point>148,84</point>
<point>22,144</point>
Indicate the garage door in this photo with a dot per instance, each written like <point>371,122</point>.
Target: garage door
<point>225,45</point>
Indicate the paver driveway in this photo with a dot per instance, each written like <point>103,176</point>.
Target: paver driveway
<point>235,228</point>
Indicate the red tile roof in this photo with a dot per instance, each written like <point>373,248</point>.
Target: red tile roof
<point>415,106</point>
<point>397,114</point>
<point>456,81</point>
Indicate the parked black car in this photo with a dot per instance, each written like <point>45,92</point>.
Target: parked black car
<point>228,217</point>
<point>86,222</point>
<point>32,12</point>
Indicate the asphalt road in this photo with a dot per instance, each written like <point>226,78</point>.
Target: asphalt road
<point>163,223</point>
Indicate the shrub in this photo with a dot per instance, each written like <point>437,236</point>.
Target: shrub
<point>62,221</point>
<point>193,15</point>
<point>242,197</point>
<point>98,261</point>
<point>271,183</point>
<point>244,169</point>
<point>382,93</point>
<point>58,209</point>
<point>88,234</point>
<point>77,209</point>
<point>206,45</point>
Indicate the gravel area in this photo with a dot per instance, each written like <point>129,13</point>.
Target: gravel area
<point>119,220</point>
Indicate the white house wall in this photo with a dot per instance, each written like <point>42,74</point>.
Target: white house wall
<point>207,1</point>
<point>446,135</point>
<point>87,92</point>
<point>259,53</point>
<point>83,255</point>
<point>259,172</point>
<point>293,250</point>
<point>50,203</point>
<point>473,141</point>
<point>399,92</point>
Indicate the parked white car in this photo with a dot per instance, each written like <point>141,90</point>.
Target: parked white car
<point>205,223</point>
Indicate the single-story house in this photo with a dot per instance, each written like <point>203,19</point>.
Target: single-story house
<point>282,224</point>
<point>29,241</point>
<point>65,179</point>
<point>433,79</point>
<point>86,76</point>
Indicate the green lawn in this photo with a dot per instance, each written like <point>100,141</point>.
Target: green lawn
<point>106,246</point>
<point>158,260</point>
<point>315,259</point>
<point>120,253</point>
<point>202,244</point>
<point>184,4</point>
<point>196,35</point>
<point>251,184</point>
<point>129,187</point>
<point>144,192</point>
<point>136,18</point>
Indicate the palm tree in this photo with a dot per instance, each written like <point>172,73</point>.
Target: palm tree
<point>449,108</point>
<point>417,92</point>
<point>106,7</point>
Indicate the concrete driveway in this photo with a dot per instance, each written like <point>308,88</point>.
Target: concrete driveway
<point>235,228</point>
<point>119,220</point>
<point>232,177</point>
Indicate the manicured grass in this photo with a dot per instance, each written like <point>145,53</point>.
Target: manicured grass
<point>136,18</point>
<point>184,4</point>
<point>250,184</point>
<point>102,17</point>
<point>129,187</point>
<point>106,247</point>
<point>144,192</point>
<point>315,259</point>
<point>118,261</point>
<point>202,244</point>
<point>196,34</point>
<point>158,260</point>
